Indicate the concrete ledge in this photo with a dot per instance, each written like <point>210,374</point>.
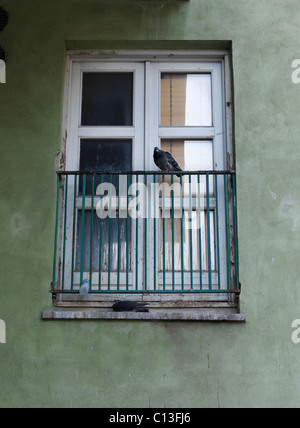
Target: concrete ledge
<point>100,314</point>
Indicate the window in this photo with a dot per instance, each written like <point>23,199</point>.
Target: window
<point>129,229</point>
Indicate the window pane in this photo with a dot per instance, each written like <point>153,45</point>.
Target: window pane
<point>111,156</point>
<point>106,255</point>
<point>191,155</point>
<point>189,231</point>
<point>107,99</point>
<point>186,99</point>
<point>104,155</point>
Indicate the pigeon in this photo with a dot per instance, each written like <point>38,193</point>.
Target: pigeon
<point>165,161</point>
<point>127,305</point>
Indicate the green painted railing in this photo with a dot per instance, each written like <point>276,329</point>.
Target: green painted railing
<point>140,231</point>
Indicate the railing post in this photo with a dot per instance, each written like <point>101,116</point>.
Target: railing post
<point>56,232</point>
<point>154,236</point>
<point>73,231</point>
<point>181,233</point>
<point>235,232</point>
<point>145,232</point>
<point>199,232</point>
<point>82,227</point>
<point>100,240</point>
<point>208,231</point>
<point>217,230</point>
<point>92,230</point>
<point>64,231</point>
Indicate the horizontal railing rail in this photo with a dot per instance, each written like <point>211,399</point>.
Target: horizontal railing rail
<point>146,231</point>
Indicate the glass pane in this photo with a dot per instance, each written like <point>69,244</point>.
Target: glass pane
<point>191,155</point>
<point>107,99</point>
<point>104,155</point>
<point>186,99</point>
<point>113,254</point>
<point>189,231</point>
<point>198,155</point>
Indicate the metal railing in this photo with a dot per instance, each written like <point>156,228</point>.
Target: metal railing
<point>141,231</point>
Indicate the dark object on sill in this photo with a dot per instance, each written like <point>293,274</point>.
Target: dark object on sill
<point>2,54</point>
<point>128,305</point>
<point>3,18</point>
<point>165,161</point>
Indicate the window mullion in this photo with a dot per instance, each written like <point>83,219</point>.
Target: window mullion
<point>186,132</point>
<point>106,132</point>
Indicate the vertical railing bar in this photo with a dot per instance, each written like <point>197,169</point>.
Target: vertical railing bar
<point>82,227</point>
<point>109,234</point>
<point>164,235</point>
<point>173,253</point>
<point>235,232</point>
<point>191,231</point>
<point>154,237</point>
<point>127,232</point>
<point>119,238</point>
<point>56,232</point>
<point>217,227</point>
<point>100,239</point>
<point>145,231</point>
<point>181,233</point>
<point>137,237</point>
<point>199,231</point>
<point>227,232</point>
<point>74,231</point>
<point>92,230</point>
<point>65,232</point>
<point>208,230</point>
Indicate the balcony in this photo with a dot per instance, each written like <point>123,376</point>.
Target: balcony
<point>140,232</point>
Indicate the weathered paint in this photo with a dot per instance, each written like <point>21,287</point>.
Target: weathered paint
<point>144,363</point>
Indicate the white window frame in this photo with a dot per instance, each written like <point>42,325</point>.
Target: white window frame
<point>149,64</point>
<point>155,133</point>
<point>76,131</point>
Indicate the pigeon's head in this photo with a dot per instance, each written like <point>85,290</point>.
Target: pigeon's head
<point>157,151</point>
<point>115,305</point>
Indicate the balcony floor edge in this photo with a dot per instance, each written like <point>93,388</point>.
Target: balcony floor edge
<point>165,315</point>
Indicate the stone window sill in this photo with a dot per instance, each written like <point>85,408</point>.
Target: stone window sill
<point>56,313</point>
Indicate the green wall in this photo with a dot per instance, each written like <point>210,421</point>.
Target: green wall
<point>172,364</point>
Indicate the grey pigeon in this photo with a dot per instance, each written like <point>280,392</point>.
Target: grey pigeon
<point>165,161</point>
<point>128,305</point>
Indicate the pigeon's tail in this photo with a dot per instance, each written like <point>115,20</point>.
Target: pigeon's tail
<point>141,309</point>
<point>178,169</point>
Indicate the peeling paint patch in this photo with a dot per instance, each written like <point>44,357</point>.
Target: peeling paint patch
<point>77,377</point>
<point>273,194</point>
<point>18,224</point>
<point>290,209</point>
